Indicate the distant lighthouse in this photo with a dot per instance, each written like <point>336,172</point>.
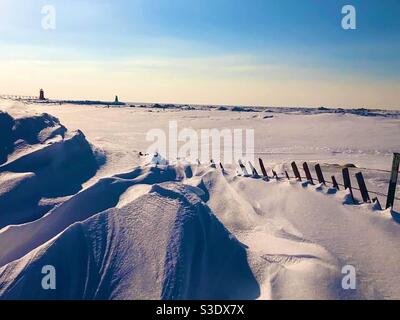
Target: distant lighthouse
<point>41,95</point>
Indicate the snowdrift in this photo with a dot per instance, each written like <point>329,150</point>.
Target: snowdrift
<point>187,231</point>
<point>193,232</point>
<point>165,244</point>
<point>40,160</point>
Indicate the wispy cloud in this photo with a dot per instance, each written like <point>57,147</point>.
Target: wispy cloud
<point>231,79</point>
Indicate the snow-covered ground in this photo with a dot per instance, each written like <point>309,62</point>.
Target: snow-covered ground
<point>75,194</point>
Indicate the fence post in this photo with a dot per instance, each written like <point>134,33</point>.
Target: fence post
<point>393,181</point>
<point>275,175</point>
<point>244,170</point>
<point>377,203</point>
<point>264,172</point>
<point>363,187</point>
<point>347,181</point>
<point>212,163</point>
<point>335,184</point>
<point>222,167</point>
<point>287,175</point>
<point>296,171</point>
<point>308,173</point>
<point>320,176</point>
<point>253,170</point>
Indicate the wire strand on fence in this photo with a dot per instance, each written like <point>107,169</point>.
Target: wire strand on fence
<point>354,188</point>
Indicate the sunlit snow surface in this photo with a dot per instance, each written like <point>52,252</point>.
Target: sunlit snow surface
<point>118,226</point>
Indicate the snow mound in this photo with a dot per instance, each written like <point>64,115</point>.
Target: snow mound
<point>192,232</point>
<point>165,244</point>
<point>6,145</point>
<point>22,133</point>
<point>40,160</point>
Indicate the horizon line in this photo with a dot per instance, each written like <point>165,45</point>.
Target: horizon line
<point>49,100</point>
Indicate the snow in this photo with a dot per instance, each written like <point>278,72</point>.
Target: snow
<point>165,244</point>
<point>42,160</point>
<point>122,227</point>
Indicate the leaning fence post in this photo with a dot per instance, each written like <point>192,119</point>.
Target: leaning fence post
<point>363,187</point>
<point>320,176</point>
<point>264,172</point>
<point>244,170</point>
<point>254,171</point>
<point>347,181</point>
<point>296,171</point>
<point>287,175</point>
<point>222,167</point>
<point>393,181</point>
<point>377,203</point>
<point>335,184</point>
<point>275,175</point>
<point>308,173</point>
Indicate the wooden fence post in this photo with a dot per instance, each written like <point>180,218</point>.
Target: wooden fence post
<point>308,173</point>
<point>264,172</point>
<point>377,203</point>
<point>296,171</point>
<point>287,175</point>
<point>363,187</point>
<point>320,176</point>
<point>222,167</point>
<point>244,170</point>
<point>212,163</point>
<point>347,181</point>
<point>393,181</point>
<point>253,170</point>
<point>275,175</point>
<point>335,184</point>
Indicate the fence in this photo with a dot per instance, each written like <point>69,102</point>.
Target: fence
<point>347,185</point>
<point>18,97</point>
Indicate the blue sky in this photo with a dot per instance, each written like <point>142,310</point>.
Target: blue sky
<point>257,52</point>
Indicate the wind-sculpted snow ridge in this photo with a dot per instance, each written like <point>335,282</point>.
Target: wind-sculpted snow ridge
<point>103,195</point>
<point>165,244</point>
<point>40,164</point>
<point>194,232</point>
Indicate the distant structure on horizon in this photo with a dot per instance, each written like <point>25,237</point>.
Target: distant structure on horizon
<point>41,95</point>
<point>116,99</point>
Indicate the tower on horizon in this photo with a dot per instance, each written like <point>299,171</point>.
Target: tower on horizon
<point>41,95</point>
